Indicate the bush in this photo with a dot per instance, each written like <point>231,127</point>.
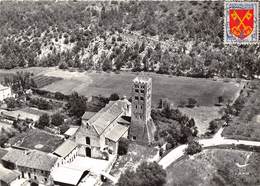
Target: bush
<point>193,148</point>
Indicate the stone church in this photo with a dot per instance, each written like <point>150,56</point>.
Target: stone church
<point>100,134</point>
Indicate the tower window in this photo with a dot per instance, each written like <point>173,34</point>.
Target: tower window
<point>142,91</point>
<point>142,98</point>
<point>135,106</point>
<point>136,97</point>
<point>141,107</point>
<point>136,90</point>
<point>134,137</point>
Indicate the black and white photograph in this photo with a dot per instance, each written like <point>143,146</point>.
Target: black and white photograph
<point>129,93</point>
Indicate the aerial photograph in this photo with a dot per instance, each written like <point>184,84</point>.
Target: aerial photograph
<point>129,93</point>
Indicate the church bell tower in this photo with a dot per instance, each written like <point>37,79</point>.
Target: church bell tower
<point>142,127</point>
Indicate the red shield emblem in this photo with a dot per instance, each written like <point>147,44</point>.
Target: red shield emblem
<point>241,22</point>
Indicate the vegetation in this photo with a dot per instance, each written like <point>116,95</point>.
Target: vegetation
<point>57,119</point>
<point>174,127</point>
<point>146,174</point>
<point>107,36</point>
<point>123,146</point>
<point>44,121</point>
<point>76,105</point>
<point>216,167</point>
<point>114,97</point>
<point>193,148</point>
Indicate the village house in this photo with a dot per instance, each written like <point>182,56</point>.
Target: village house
<point>33,165</point>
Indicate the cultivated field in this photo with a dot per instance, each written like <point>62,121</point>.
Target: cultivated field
<point>205,91</point>
<point>216,167</point>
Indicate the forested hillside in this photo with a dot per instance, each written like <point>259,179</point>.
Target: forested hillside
<point>178,38</point>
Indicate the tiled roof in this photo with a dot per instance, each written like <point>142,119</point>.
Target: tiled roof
<point>65,148</point>
<point>2,152</point>
<point>108,114</point>
<point>117,132</point>
<point>71,131</point>
<point>7,175</point>
<point>88,115</point>
<point>31,158</point>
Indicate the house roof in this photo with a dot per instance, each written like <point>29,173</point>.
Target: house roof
<point>67,175</point>
<point>117,132</point>
<point>31,158</point>
<point>7,175</point>
<point>101,120</point>
<point>71,131</point>
<point>65,148</point>
<point>2,152</point>
<point>87,115</point>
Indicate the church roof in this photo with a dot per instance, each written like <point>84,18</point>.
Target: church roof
<point>117,132</point>
<point>101,120</point>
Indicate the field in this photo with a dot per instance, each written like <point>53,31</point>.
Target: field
<point>247,124</point>
<point>216,167</point>
<point>205,91</point>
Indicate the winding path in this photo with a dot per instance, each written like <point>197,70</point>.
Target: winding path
<point>216,140</point>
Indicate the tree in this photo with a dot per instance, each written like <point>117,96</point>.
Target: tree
<point>10,102</point>
<point>107,64</point>
<point>193,148</point>
<point>57,119</point>
<point>213,126</point>
<point>123,146</point>
<point>76,105</point>
<point>146,174</point>
<point>44,121</point>
<point>114,97</point>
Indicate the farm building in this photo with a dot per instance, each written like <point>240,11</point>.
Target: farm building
<point>5,92</point>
